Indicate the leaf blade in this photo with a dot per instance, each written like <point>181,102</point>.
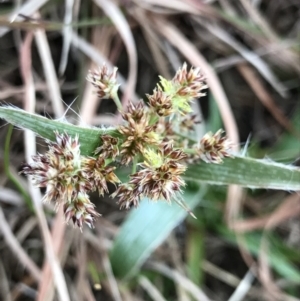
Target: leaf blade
<point>89,138</point>
<point>247,172</point>
<point>141,233</point>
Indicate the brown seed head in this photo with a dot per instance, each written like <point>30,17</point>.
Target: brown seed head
<point>160,176</point>
<point>136,112</point>
<point>188,123</point>
<point>214,147</point>
<point>138,133</point>
<point>81,211</point>
<point>109,148</point>
<point>59,170</point>
<point>128,197</point>
<point>105,82</point>
<point>190,83</point>
<point>99,174</point>
<point>161,103</point>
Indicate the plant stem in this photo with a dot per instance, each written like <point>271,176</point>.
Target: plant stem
<point>117,101</point>
<point>134,164</point>
<point>190,151</point>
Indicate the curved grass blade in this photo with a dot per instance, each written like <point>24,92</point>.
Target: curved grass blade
<point>146,228</point>
<point>247,172</point>
<point>89,138</point>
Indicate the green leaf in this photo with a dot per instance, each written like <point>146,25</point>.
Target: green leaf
<point>247,172</point>
<point>195,251</point>
<point>252,173</point>
<point>145,229</point>
<point>89,138</point>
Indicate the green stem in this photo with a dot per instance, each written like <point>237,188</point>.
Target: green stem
<point>9,175</point>
<point>117,101</point>
<point>190,151</point>
<point>153,118</point>
<point>134,164</point>
<point>185,137</point>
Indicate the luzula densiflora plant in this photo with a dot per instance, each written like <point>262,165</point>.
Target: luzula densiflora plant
<point>153,138</point>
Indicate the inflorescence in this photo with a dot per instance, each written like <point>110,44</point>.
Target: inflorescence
<point>154,139</point>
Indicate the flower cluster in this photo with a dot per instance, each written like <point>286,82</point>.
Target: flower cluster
<point>214,147</point>
<point>174,96</point>
<point>105,82</point>
<point>159,177</point>
<point>138,132</point>
<point>68,178</point>
<point>155,139</point>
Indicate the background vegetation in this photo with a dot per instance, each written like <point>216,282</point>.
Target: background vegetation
<point>244,244</point>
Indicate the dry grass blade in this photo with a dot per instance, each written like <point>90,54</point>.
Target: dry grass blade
<point>287,55</point>
<point>10,92</point>
<point>115,293</point>
<point>187,284</point>
<point>265,98</point>
<point>289,208</point>
<point>174,5</point>
<point>250,56</point>
<point>232,60</point>
<point>153,42</point>
<point>16,248</point>
<point>152,291</point>
<point>81,256</point>
<point>89,105</point>
<point>113,11</point>
<point>67,31</point>
<point>26,9</point>
<point>220,274</point>
<point>243,287</point>
<point>286,210</point>
<point>27,228</point>
<point>258,19</point>
<point>49,72</point>
<point>30,150</point>
<point>4,285</point>
<point>175,257</point>
<point>46,290</point>
<point>101,39</point>
<point>176,38</point>
<point>9,196</point>
<point>90,51</point>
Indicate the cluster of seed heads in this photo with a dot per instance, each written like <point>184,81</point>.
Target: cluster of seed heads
<point>147,139</point>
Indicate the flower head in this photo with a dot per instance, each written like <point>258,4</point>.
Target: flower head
<point>160,174</point>
<point>138,133</point>
<point>59,170</point>
<point>185,86</point>
<point>105,82</point>
<point>80,211</point>
<point>189,83</point>
<point>98,173</point>
<point>188,123</point>
<point>214,147</point>
<point>109,147</point>
<point>161,103</point>
<point>128,196</point>
<point>67,178</point>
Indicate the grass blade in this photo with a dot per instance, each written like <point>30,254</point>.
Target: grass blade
<point>89,138</point>
<point>247,172</point>
<point>146,228</point>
